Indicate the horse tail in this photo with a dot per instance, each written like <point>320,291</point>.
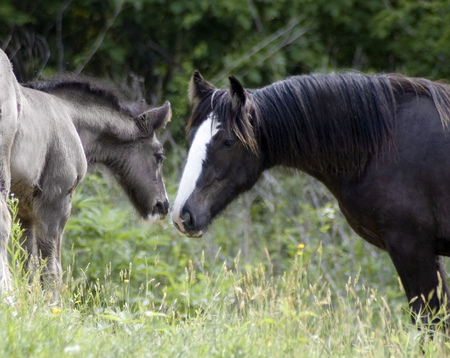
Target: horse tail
<point>439,92</point>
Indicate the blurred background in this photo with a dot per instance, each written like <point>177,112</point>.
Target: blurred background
<point>150,48</point>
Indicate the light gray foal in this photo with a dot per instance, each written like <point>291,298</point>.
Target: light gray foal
<point>50,132</point>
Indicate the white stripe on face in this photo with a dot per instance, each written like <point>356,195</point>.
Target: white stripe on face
<point>193,169</point>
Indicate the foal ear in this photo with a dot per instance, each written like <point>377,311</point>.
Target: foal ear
<point>238,93</point>
<point>199,88</point>
<point>154,119</point>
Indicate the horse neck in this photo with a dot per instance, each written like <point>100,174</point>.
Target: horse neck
<point>289,154</point>
<point>276,135</point>
<point>92,120</point>
<point>333,128</point>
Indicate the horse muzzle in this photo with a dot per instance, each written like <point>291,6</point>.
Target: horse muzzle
<point>186,224</point>
<point>181,229</point>
<point>159,212</point>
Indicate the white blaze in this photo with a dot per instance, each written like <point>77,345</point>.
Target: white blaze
<point>193,168</point>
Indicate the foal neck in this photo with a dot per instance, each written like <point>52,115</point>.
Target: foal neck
<point>97,116</point>
<point>93,106</point>
<point>98,124</point>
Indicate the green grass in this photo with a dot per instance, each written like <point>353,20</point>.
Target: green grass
<point>237,314</point>
<point>246,290</point>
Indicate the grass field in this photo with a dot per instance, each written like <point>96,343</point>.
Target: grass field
<point>274,278</point>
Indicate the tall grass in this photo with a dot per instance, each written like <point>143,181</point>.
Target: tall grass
<point>287,279</point>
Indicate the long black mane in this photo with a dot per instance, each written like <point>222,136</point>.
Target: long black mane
<point>335,122</point>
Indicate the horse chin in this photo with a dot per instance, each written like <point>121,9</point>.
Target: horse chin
<point>151,218</point>
<point>182,230</point>
<point>196,235</point>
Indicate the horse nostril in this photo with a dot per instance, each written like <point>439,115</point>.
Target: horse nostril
<point>186,218</point>
<point>166,207</point>
<point>162,207</point>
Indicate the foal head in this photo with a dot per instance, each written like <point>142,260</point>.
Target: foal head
<point>224,157</point>
<point>119,135</point>
<point>137,163</point>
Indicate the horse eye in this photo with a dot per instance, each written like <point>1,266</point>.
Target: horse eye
<point>159,158</point>
<point>228,142</point>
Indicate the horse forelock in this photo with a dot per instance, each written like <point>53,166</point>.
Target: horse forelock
<point>218,105</point>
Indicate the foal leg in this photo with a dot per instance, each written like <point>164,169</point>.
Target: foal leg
<point>48,234</point>
<point>8,127</point>
<point>28,243</point>
<point>7,132</point>
<point>5,228</point>
<point>421,273</point>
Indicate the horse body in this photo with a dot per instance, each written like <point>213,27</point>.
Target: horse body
<point>410,180</point>
<point>47,134</point>
<point>10,101</point>
<point>61,127</point>
<point>402,204</point>
<point>47,163</point>
<point>379,144</point>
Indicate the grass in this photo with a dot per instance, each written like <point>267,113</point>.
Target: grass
<point>137,291</point>
<point>240,314</point>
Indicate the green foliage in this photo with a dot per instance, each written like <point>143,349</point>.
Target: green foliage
<point>105,237</point>
<point>422,28</point>
<point>17,255</point>
<point>239,312</point>
<point>259,41</point>
<point>281,268</point>
<point>11,16</point>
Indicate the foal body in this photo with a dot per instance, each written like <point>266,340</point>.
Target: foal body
<point>51,133</point>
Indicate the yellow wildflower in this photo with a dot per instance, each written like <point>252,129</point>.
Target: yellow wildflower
<point>300,248</point>
<point>56,310</point>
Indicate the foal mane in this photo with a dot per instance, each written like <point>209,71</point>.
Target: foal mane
<point>335,122</point>
<point>98,89</point>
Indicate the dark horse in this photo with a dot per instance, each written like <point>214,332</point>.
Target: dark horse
<point>379,143</point>
<point>50,132</point>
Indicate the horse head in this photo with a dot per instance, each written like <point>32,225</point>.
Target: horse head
<point>119,135</point>
<point>137,163</point>
<point>224,157</point>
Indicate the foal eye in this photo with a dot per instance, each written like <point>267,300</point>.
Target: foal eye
<point>159,158</point>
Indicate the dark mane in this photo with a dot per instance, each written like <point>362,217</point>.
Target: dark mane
<point>337,122</point>
<point>101,90</point>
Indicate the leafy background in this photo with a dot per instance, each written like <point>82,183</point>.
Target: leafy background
<point>149,48</point>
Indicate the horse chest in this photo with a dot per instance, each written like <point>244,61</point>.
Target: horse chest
<point>365,226</point>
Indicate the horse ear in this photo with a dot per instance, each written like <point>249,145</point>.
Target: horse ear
<point>238,93</point>
<point>154,119</point>
<point>242,105</point>
<point>199,88</point>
